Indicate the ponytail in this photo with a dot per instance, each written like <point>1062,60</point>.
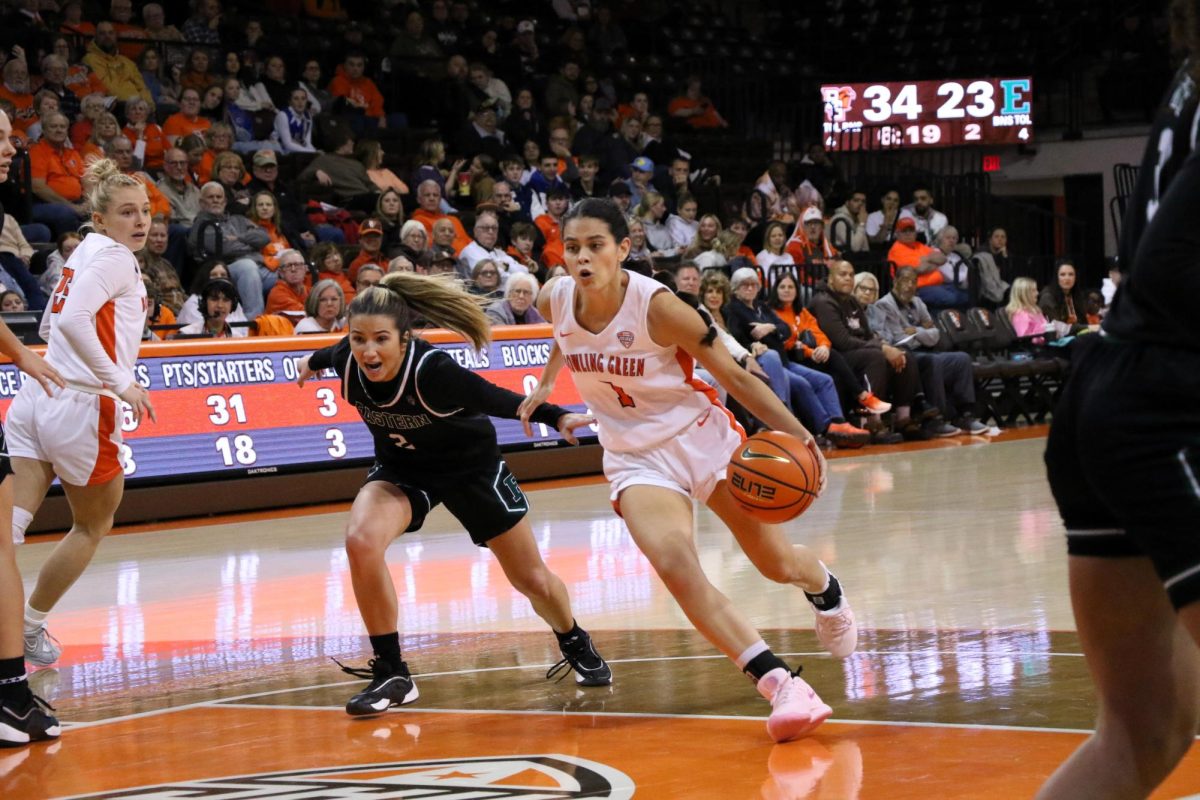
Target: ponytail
<point>404,296</point>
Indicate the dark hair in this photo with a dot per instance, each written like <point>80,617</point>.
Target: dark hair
<point>522,229</point>
<point>201,277</point>
<point>665,278</point>
<point>603,210</point>
<point>218,286</point>
<point>406,296</point>
<point>773,296</point>
<point>588,158</point>
<point>558,193</point>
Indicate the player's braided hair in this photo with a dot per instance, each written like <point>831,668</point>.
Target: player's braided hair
<point>440,299</point>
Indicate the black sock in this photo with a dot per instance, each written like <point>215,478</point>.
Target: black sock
<point>564,638</point>
<point>763,663</point>
<point>387,648</point>
<point>837,420</point>
<point>13,685</point>
<point>828,599</point>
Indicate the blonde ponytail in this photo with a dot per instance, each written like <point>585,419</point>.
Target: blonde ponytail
<point>103,178</point>
<point>439,299</point>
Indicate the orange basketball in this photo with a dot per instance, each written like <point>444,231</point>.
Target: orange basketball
<point>774,476</point>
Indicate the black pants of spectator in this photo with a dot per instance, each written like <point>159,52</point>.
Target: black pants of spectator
<point>948,380</point>
<point>898,388</point>
<point>847,382</point>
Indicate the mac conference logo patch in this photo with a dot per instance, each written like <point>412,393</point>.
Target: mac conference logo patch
<point>545,777</point>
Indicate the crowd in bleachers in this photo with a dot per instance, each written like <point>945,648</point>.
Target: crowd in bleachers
<point>291,159</point>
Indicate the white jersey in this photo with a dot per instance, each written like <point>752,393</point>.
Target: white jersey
<point>642,394</point>
<point>97,315</point>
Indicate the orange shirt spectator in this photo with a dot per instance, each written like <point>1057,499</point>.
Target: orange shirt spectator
<point>159,204</point>
<point>695,109</point>
<point>911,253</point>
<point>287,301</point>
<point>359,90</point>
<point>799,323</point>
<point>277,245</point>
<point>187,120</point>
<point>363,257</point>
<point>155,141</point>
<point>22,100</point>
<point>82,81</point>
<point>461,239</point>
<point>61,169</point>
<point>341,280</point>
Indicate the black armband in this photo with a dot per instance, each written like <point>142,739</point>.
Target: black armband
<point>548,414</point>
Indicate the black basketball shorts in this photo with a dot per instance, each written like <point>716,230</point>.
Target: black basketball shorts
<point>1123,458</point>
<point>487,502</point>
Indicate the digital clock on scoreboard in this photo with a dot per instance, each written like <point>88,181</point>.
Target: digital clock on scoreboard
<point>231,407</point>
<point>949,113</point>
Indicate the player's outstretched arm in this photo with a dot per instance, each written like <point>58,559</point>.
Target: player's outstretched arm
<point>541,392</point>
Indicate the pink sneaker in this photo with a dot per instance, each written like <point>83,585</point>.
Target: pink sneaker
<point>795,707</point>
<point>873,404</point>
<point>837,630</point>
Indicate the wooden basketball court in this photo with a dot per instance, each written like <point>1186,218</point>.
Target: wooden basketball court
<point>197,657</point>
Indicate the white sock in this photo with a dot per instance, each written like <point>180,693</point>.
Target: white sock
<point>21,519</point>
<point>34,619</point>
<point>758,648</point>
<point>825,585</point>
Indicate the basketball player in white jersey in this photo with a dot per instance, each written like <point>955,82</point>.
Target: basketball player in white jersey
<point>97,315</point>
<point>22,719</point>
<point>630,344</point>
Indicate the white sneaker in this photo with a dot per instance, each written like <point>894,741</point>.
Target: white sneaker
<point>41,649</point>
<point>795,707</point>
<point>837,630</point>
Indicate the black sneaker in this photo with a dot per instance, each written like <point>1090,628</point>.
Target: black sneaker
<point>26,721</point>
<point>580,654</point>
<point>388,688</point>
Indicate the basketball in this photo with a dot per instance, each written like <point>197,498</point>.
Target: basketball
<point>774,476</point>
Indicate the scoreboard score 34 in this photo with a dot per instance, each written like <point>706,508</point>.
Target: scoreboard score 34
<point>948,113</point>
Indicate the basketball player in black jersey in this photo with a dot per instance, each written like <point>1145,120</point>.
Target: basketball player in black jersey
<point>1123,458</point>
<point>435,444</point>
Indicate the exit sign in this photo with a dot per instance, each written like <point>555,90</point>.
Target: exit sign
<point>991,163</point>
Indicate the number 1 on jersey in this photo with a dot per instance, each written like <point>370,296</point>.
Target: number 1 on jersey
<point>623,396</point>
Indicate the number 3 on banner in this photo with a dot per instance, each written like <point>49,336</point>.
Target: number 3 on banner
<point>328,407</point>
<point>337,443</point>
<point>128,465</point>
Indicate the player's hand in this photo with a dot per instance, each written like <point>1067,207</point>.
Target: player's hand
<point>39,369</point>
<point>303,371</point>
<point>139,402</point>
<point>819,457</point>
<point>538,396</point>
<point>567,424</point>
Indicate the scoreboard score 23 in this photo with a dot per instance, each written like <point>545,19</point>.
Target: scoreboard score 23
<point>949,113</point>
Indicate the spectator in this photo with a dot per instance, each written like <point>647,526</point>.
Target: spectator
<point>368,276</point>
<point>808,345</point>
<point>810,394</point>
<point>15,89</point>
<point>212,102</point>
<point>147,137</point>
<point>430,157</point>
<point>130,36</point>
<point>414,239</point>
<point>319,99</point>
<point>188,119</point>
<point>493,88</point>
<point>230,171</point>
<point>651,212</point>
<point>695,109</point>
<point>1064,300</point>
<point>906,251</point>
<point>621,149</point>
<point>682,224</point>
<point>290,293</point>
<point>562,88</point>
<point>486,245</point>
<point>687,279</point>
<point>264,212</point>
<point>390,213</point>
<point>638,106</point>
<point>550,224</point>
<point>848,227</point>
<point>273,89</point>
<point>808,245</point>
<point>340,177</point>
<point>523,237</point>
<point>1026,315</point>
<point>361,97</point>
<point>66,245</point>
<point>370,153</point>
<point>164,90</point>
<point>104,131</point>
<point>57,172</point>
<point>773,259</point>
<point>218,299</point>
<point>443,235</point>
<point>929,220</point>
<point>158,269</point>
<point>190,312</point>
<point>12,302</point>
<point>947,378</point>
<point>639,250</point>
<point>429,198</point>
<point>882,223</point>
<point>242,122</point>
<point>517,306</point>
<point>330,265</point>
<point>641,171</point>
<point>121,152</point>
<point>121,77</point>
<point>294,124</point>
<point>234,239</point>
<point>485,279</point>
<point>218,139</point>
<point>326,309</point>
<point>721,254</point>
<point>707,231</point>
<point>954,290</point>
<point>586,185</point>
<point>44,104</point>
<point>154,23</point>
<point>203,27</point>
<point>618,192</point>
<point>413,52</point>
<point>605,35</point>
<point>370,239</point>
<point>443,261</point>
<point>996,252</point>
<point>15,254</point>
<point>296,225</point>
<point>890,374</point>
<point>54,75</point>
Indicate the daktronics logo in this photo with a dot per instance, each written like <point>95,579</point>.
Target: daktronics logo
<point>838,100</point>
<point>547,777</point>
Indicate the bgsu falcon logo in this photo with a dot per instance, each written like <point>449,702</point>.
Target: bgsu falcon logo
<point>838,101</point>
<point>625,338</point>
<point>548,777</point>
<point>623,397</point>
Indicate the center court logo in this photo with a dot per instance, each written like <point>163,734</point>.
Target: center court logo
<point>546,777</point>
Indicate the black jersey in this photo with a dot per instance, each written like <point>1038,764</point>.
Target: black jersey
<point>431,421</point>
<point>1160,236</point>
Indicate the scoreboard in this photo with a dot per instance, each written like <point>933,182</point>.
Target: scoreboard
<point>948,113</point>
<point>231,407</point>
